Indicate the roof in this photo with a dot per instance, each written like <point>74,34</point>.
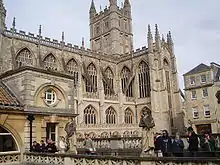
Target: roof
<point>7,98</point>
<point>198,69</point>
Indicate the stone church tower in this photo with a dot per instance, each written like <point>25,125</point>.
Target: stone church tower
<point>111,30</point>
<point>108,85</point>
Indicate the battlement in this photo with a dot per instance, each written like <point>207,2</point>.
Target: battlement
<point>30,37</point>
<point>140,51</point>
<point>103,13</point>
<point>67,46</point>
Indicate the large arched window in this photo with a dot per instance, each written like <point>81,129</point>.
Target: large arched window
<point>90,115</point>
<point>128,116</point>
<point>91,86</point>
<point>110,116</point>
<point>125,75</point>
<point>110,78</point>
<point>24,58</point>
<point>144,80</point>
<point>72,68</point>
<point>7,142</point>
<point>50,62</point>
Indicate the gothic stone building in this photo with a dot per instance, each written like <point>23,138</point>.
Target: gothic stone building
<point>108,85</point>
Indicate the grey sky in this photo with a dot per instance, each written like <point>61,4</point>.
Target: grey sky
<point>195,24</point>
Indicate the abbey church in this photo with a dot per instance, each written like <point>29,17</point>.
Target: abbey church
<point>105,88</point>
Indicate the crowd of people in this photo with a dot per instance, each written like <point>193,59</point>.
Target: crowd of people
<point>43,147</point>
<point>50,146</point>
<point>166,146</point>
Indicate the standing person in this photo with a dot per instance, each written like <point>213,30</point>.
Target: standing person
<point>166,144</point>
<point>42,146</point>
<point>88,143</point>
<point>177,146</point>
<point>35,147</point>
<point>51,147</point>
<point>157,144</point>
<point>62,144</point>
<point>147,124</point>
<point>193,142</point>
<point>208,144</point>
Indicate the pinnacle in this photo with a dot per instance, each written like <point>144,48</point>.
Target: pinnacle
<point>149,32</point>
<point>92,7</point>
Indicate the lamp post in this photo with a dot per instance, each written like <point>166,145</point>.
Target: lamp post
<point>30,118</point>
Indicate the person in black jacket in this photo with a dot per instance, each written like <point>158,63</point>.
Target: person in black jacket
<point>51,147</point>
<point>165,144</point>
<point>193,142</point>
<point>42,146</point>
<point>35,147</point>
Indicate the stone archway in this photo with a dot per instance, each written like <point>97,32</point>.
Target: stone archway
<point>8,143</point>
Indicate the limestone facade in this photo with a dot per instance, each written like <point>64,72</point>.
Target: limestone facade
<point>107,85</point>
<point>201,86</point>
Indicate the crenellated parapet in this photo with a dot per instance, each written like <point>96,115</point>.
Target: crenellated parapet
<point>54,43</point>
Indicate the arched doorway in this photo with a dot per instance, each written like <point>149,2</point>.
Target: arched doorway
<point>7,141</point>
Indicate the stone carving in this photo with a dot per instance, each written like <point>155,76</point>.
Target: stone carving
<point>83,161</point>
<point>218,96</point>
<point>70,129</point>
<point>10,158</point>
<point>44,159</point>
<point>147,124</point>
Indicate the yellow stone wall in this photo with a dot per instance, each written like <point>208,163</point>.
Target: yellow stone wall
<point>18,125</point>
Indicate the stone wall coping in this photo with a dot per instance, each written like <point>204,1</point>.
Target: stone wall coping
<point>162,159</point>
<point>114,138</point>
<point>47,41</point>
<point>26,112</point>
<point>39,70</point>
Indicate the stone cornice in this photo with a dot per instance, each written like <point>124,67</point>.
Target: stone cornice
<point>26,112</point>
<point>39,70</point>
<point>208,121</point>
<point>129,158</point>
<point>199,86</point>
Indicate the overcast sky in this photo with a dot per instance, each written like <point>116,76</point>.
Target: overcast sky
<point>195,24</point>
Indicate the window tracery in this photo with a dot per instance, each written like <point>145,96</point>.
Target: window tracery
<point>144,80</point>
<point>128,116</point>
<point>110,116</point>
<point>72,68</point>
<point>125,75</point>
<point>110,78</point>
<point>91,86</point>
<point>50,62</point>
<point>24,58</point>
<point>90,115</point>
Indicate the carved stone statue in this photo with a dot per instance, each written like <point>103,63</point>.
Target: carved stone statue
<point>70,129</point>
<point>218,96</point>
<point>147,124</point>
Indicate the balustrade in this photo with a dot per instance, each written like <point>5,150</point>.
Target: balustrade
<point>10,158</point>
<point>67,159</point>
<point>116,143</point>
